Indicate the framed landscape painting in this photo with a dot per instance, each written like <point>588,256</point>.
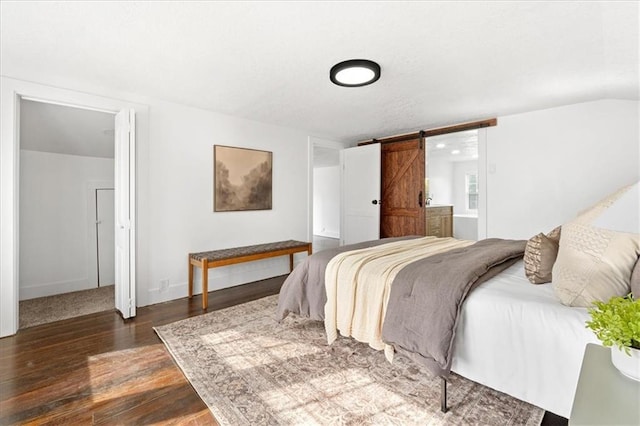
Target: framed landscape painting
<point>242,179</point>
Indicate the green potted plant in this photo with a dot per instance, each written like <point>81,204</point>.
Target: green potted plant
<point>617,324</point>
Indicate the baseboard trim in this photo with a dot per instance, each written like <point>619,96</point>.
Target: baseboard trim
<point>51,289</point>
<point>223,277</point>
<point>328,234</point>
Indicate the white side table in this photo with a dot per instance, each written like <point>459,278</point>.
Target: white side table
<point>604,396</point>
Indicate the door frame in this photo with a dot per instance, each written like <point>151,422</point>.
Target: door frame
<point>482,184</point>
<point>11,91</point>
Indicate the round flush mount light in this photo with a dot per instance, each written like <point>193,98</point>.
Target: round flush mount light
<point>355,73</point>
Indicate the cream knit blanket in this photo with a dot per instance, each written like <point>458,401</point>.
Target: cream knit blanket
<point>358,284</point>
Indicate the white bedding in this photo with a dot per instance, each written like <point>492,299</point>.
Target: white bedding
<point>516,337</point>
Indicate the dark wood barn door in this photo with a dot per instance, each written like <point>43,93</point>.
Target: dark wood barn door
<point>403,198</point>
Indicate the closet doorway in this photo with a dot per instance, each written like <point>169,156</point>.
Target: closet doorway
<point>64,151</point>
<point>70,158</point>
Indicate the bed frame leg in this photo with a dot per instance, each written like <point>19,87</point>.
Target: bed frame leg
<point>443,395</point>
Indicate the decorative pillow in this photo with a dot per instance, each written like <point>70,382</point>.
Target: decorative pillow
<point>539,256</point>
<point>595,262</point>
<point>555,233</point>
<point>635,280</point>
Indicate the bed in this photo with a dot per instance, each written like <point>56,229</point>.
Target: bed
<point>518,338</point>
<point>509,335</point>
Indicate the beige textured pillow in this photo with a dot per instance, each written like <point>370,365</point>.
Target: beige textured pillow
<point>539,256</point>
<point>594,263</point>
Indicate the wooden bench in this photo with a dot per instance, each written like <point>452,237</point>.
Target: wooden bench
<point>216,258</point>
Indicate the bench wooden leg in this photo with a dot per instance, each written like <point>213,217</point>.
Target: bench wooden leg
<point>205,284</point>
<point>291,262</point>
<point>190,278</point>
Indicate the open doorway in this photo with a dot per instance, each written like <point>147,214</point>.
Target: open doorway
<point>66,153</point>
<point>125,155</point>
<point>452,184</point>
<point>326,197</point>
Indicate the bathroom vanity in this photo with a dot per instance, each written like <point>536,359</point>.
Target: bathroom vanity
<point>439,220</point>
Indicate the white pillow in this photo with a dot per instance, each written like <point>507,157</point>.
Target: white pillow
<point>595,260</point>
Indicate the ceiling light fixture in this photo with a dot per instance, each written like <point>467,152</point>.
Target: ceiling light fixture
<point>455,152</point>
<point>355,73</point>
<point>440,146</point>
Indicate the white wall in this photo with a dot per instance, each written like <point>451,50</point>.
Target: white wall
<point>326,201</point>
<point>440,174</point>
<point>460,171</point>
<point>546,166</point>
<point>465,222</point>
<point>180,212</point>
<point>175,187</point>
<point>54,218</point>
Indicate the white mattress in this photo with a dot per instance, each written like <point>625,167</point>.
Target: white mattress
<point>516,337</point>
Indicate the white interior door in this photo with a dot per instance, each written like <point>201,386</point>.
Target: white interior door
<point>105,225</point>
<point>360,178</point>
<point>124,183</point>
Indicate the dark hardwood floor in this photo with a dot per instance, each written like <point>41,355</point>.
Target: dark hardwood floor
<point>101,369</point>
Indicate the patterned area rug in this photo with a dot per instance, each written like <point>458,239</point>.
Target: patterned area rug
<point>48,309</point>
<point>251,370</point>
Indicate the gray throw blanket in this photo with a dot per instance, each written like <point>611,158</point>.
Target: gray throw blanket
<point>304,293</point>
<point>427,296</point>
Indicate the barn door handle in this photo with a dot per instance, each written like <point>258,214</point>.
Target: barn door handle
<point>420,199</point>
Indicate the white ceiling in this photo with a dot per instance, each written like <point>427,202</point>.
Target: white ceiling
<point>444,147</point>
<point>442,62</point>
<point>65,130</point>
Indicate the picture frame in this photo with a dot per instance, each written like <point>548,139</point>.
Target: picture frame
<point>242,179</point>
